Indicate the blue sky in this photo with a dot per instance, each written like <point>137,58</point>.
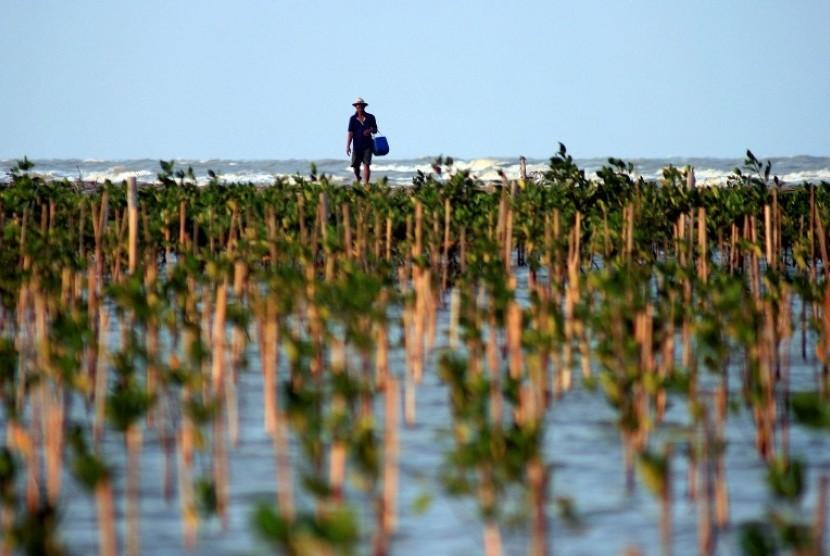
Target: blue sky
<point>276,78</point>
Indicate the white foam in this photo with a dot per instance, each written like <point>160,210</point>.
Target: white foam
<point>117,175</point>
<point>808,175</point>
<point>402,168</point>
<point>513,171</point>
<point>398,172</point>
<point>242,177</point>
<point>478,165</point>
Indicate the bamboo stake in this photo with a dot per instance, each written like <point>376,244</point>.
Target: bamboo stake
<point>409,400</point>
<point>301,217</point>
<point>376,231</point>
<point>508,233</point>
<point>220,469</point>
<point>182,226</point>
<point>462,256</point>
<point>703,266</point>
<point>419,282</point>
<point>347,231</point>
<point>822,241</point>
<point>768,235</point>
<point>492,535</point>
<point>571,298</point>
<point>101,376</point>
<point>492,538</point>
<point>271,227</point>
<point>446,255</point>
<point>218,343</point>
<point>91,355</point>
<point>237,348</point>
<point>190,517</point>
<point>514,334</point>
<point>812,234</point>
<point>152,346</point>
<point>381,355</point>
<point>494,365</point>
<point>776,229</point>
<point>81,230</point>
<point>455,313</point>
<point>390,458</point>
<point>107,541</point>
<point>269,342</point>
<point>220,379</point>
<point>53,440</point>
<point>51,402</point>
<point>387,500</point>
<point>721,490</point>
<point>820,519</point>
<point>285,482</point>
<point>133,440</point>
<point>666,506</point>
<point>537,478</point>
<point>706,535</point>
<point>388,251</point>
<point>337,452</point>
<point>132,212</point>
<point>435,258</point>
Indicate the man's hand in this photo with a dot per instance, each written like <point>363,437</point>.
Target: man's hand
<point>348,151</point>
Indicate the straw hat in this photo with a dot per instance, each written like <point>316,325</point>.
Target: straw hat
<point>359,100</point>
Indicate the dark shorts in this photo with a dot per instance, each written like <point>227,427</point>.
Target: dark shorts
<point>363,156</point>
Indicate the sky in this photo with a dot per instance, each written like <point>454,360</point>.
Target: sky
<point>275,79</point>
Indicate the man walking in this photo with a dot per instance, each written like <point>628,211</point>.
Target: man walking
<point>359,142</point>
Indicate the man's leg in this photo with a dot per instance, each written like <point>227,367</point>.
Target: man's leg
<point>366,174</point>
<point>356,165</point>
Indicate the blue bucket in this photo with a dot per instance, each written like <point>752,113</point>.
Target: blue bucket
<point>381,146</point>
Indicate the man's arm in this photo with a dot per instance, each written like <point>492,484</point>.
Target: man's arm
<point>374,125</point>
<point>349,135</point>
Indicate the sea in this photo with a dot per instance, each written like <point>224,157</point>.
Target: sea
<point>708,171</point>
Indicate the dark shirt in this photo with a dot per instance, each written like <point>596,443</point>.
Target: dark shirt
<point>359,141</point>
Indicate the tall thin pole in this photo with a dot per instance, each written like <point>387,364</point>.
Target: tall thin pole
<point>132,218</point>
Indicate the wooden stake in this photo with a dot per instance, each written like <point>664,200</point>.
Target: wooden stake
<point>218,343</point>
<point>347,231</point>
<point>446,255</point>
<point>537,479</point>
<point>132,215</point>
<point>703,267</point>
<point>820,515</point>
<point>133,439</point>
<point>107,543</point>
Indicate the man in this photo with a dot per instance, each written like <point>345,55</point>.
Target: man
<point>359,139</point>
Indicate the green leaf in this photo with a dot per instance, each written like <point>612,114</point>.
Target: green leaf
<point>654,471</point>
<point>268,525</point>
<point>810,410</point>
<point>786,478</point>
<point>422,503</point>
<point>755,539</point>
<point>206,497</point>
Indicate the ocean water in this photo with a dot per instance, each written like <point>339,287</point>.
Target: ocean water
<point>791,170</point>
<point>581,449</point>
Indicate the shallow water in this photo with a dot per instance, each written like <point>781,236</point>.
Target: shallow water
<point>582,447</point>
